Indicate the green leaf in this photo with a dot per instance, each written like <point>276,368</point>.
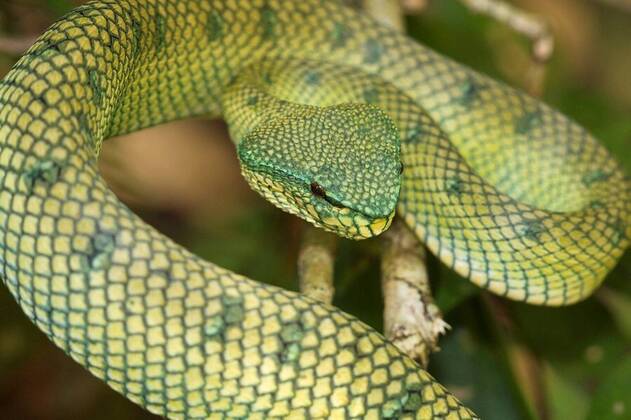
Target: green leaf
<point>59,7</point>
<point>476,374</point>
<point>619,306</point>
<point>566,399</point>
<point>451,289</point>
<point>613,397</point>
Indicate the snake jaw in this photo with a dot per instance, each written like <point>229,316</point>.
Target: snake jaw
<point>350,223</point>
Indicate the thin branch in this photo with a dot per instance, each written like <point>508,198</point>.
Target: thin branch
<point>16,45</point>
<point>522,22</point>
<point>412,321</point>
<point>315,264</point>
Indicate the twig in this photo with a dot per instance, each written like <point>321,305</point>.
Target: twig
<point>528,25</point>
<point>412,321</point>
<point>522,22</point>
<point>315,264</point>
<point>16,45</point>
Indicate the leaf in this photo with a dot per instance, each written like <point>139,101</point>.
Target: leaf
<point>451,289</point>
<point>612,399</point>
<point>566,399</point>
<point>59,7</point>
<point>476,374</point>
<point>619,306</point>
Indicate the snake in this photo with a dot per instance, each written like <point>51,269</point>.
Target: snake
<point>336,119</point>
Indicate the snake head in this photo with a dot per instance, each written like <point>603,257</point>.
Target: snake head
<point>337,167</point>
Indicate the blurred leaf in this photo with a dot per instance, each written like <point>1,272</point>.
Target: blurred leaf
<point>619,306</point>
<point>580,345</point>
<point>16,345</point>
<point>566,400</point>
<point>252,243</point>
<point>552,333</point>
<point>612,400</point>
<point>358,281</point>
<point>620,277</point>
<point>59,7</point>
<point>443,28</point>
<point>471,370</point>
<point>451,289</point>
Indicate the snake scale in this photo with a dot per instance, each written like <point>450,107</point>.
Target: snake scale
<point>503,189</point>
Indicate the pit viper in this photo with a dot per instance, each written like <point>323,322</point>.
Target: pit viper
<point>503,189</point>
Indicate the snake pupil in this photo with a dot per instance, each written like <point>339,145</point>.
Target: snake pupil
<point>317,190</point>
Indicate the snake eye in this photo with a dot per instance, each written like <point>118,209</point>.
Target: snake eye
<point>400,168</point>
<point>317,190</point>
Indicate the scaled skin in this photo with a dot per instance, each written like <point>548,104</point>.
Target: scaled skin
<point>180,336</point>
<point>187,339</point>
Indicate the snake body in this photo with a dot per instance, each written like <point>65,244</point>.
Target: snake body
<point>501,188</point>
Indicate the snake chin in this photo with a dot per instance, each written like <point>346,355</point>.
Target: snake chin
<point>348,222</point>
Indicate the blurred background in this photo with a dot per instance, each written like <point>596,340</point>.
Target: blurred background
<point>505,360</point>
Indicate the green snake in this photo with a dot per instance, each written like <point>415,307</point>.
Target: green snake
<point>336,119</point>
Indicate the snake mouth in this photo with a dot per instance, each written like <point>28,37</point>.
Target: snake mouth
<point>337,205</point>
<point>354,226</point>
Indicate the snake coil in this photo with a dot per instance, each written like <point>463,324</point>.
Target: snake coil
<point>501,188</point>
